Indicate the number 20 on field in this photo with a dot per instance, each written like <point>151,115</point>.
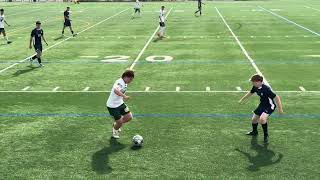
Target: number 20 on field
<point>122,58</point>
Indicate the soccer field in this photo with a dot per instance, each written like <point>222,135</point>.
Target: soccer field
<point>54,123</point>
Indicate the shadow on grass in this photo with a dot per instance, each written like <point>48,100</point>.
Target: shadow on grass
<point>100,159</point>
<point>263,158</point>
<point>20,72</point>
<point>58,38</point>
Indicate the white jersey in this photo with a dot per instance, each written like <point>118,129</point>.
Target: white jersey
<point>1,21</point>
<point>137,5</point>
<point>162,15</point>
<point>114,100</point>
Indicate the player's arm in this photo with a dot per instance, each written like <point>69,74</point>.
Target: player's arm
<point>31,41</point>
<point>277,99</point>
<point>119,93</point>
<point>44,39</point>
<point>6,23</point>
<point>249,94</point>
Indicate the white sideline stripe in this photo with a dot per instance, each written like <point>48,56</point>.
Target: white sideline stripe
<point>312,55</point>
<point>89,56</point>
<point>238,88</point>
<point>54,45</point>
<point>242,48</point>
<point>279,16</point>
<point>26,88</point>
<point>56,88</point>
<point>302,88</point>
<point>177,89</point>
<point>312,8</point>
<point>208,89</point>
<point>147,44</point>
<point>147,89</point>
<point>86,89</point>
<point>152,91</point>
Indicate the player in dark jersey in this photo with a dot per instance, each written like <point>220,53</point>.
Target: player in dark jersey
<point>2,22</point>
<point>268,103</point>
<point>67,21</point>
<point>36,40</point>
<point>199,7</point>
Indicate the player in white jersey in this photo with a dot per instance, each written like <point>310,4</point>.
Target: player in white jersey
<point>115,104</point>
<point>137,8</point>
<point>2,22</point>
<point>162,20</point>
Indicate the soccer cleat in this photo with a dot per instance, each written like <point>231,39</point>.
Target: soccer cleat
<point>266,140</point>
<point>31,61</point>
<point>75,34</point>
<point>41,65</point>
<point>115,134</point>
<point>9,42</point>
<point>252,133</point>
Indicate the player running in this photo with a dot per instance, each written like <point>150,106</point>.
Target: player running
<point>36,40</point>
<point>67,21</point>
<point>199,7</point>
<point>268,103</point>
<point>115,104</point>
<point>137,8</point>
<point>162,19</point>
<point>2,22</point>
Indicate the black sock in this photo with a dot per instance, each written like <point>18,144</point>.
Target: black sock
<point>62,32</point>
<point>34,57</point>
<point>39,60</point>
<point>72,32</point>
<point>254,127</point>
<point>265,129</point>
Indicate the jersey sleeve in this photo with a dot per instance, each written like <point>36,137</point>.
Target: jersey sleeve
<point>253,90</point>
<point>117,85</point>
<point>270,93</point>
<point>33,33</point>
<point>41,32</point>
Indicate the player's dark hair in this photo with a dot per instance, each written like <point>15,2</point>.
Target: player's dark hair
<point>128,73</point>
<point>1,10</point>
<point>68,7</point>
<point>38,22</point>
<point>256,78</point>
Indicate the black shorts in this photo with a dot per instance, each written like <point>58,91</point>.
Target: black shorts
<point>136,10</point>
<point>118,112</point>
<point>263,109</point>
<point>2,30</point>
<point>67,23</point>
<point>162,24</point>
<point>38,48</point>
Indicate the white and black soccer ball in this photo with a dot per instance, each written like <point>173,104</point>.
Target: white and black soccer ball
<point>137,140</point>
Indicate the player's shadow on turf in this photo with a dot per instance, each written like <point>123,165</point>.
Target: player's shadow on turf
<point>100,159</point>
<point>264,156</point>
<point>20,72</point>
<point>58,38</point>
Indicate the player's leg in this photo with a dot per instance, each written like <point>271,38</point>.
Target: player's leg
<point>115,113</point>
<point>70,27</point>
<point>127,117</point>
<point>39,54</point>
<point>264,123</point>
<point>64,26</point>
<point>254,123</point>
<point>5,36</point>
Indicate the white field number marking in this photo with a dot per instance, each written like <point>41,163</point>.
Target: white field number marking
<point>123,58</point>
<point>159,58</point>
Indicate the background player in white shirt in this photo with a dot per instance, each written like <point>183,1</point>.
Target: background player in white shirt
<point>137,8</point>
<point>161,23</point>
<point>115,104</point>
<point>2,30</point>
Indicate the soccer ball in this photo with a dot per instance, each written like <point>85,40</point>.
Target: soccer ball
<point>137,140</point>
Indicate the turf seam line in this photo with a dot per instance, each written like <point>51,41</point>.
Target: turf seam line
<point>60,42</point>
<point>292,22</point>
<point>242,48</point>
<point>147,44</point>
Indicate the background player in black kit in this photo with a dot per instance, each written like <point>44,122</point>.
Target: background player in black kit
<point>36,40</point>
<point>67,21</point>
<point>268,103</point>
<point>199,7</point>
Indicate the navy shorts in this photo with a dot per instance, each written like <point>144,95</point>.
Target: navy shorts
<point>38,48</point>
<point>262,109</point>
<point>2,30</point>
<point>67,23</point>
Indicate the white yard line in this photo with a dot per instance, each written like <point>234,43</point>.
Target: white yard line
<point>56,44</point>
<point>312,8</point>
<point>289,21</point>
<point>152,91</point>
<point>89,56</point>
<point>147,44</point>
<point>242,48</point>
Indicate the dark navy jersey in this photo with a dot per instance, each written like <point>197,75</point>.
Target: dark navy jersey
<point>266,96</point>
<point>37,35</point>
<point>199,3</point>
<point>66,15</point>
